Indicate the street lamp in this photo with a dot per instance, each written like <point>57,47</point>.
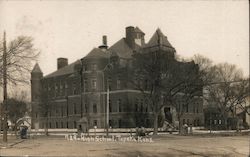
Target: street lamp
<point>86,110</point>
<point>81,83</point>
<point>108,66</point>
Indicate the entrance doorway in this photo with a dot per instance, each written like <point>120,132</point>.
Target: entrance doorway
<point>168,115</point>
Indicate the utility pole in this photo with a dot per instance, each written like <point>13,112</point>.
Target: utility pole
<point>4,90</point>
<point>107,133</point>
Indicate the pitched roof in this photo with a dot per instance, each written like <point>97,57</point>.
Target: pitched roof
<point>159,38</point>
<point>137,29</point>
<point>122,49</point>
<point>36,69</point>
<point>97,53</point>
<point>69,69</point>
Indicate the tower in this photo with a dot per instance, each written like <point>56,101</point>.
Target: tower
<point>134,36</point>
<point>36,87</point>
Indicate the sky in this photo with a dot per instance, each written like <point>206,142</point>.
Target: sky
<point>218,30</point>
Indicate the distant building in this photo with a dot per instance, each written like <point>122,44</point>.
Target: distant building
<point>215,120</point>
<point>76,93</point>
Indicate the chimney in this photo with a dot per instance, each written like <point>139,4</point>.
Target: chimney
<point>130,36</point>
<point>104,40</point>
<point>61,62</point>
<point>104,45</point>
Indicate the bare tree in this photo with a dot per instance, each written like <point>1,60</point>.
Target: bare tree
<point>229,89</point>
<point>205,68</point>
<point>160,78</point>
<point>182,88</point>
<point>15,64</point>
<point>149,68</point>
<point>20,54</point>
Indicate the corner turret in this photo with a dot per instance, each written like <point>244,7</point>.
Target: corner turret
<point>36,76</point>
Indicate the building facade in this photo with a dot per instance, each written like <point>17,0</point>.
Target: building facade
<point>97,89</point>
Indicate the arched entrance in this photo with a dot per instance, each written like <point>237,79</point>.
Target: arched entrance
<point>82,125</point>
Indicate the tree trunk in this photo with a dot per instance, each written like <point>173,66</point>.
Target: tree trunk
<point>15,129</point>
<point>46,127</point>
<point>237,124</point>
<point>180,127</point>
<point>225,120</point>
<point>155,123</point>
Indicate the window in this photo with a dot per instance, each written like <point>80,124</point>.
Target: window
<point>215,121</point>
<point>93,84</point>
<point>61,124</point>
<point>74,124</point>
<point>74,88</point>
<point>109,83</point>
<point>85,68</point>
<point>74,108</point>
<point>61,89</point>
<point>86,107</point>
<point>141,105</point>
<point>95,122</point>
<point>146,84</point>
<point>66,88</point>
<point>56,125</point>
<point>94,66</point>
<point>185,107</point>
<point>56,111</point>
<point>62,111</point>
<point>118,83</point>
<point>110,123</point>
<point>120,123</point>
<point>140,83</point>
<point>56,87</point>
<point>136,105</point>
<point>197,108</point>
<point>119,104</point>
<point>110,106</point>
<point>94,108</point>
<point>85,85</point>
<point>219,122</point>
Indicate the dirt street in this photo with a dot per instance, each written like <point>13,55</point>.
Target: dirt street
<point>165,145</point>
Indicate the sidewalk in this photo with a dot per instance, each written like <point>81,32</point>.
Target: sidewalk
<point>220,131</point>
<point>11,142</point>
